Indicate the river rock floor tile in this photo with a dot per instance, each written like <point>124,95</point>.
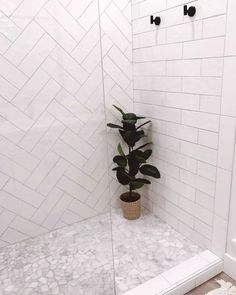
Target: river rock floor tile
<point>78,259</point>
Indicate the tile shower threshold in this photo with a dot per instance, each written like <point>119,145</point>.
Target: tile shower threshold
<point>184,277</point>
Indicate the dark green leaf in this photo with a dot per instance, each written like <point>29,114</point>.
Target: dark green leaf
<point>139,118</point>
<point>127,126</point>
<point>143,124</point>
<point>150,171</point>
<point>133,164</point>
<point>139,155</point>
<point>119,109</point>
<point>142,146</point>
<point>139,134</point>
<point>131,136</point>
<point>122,176</point>
<point>120,150</point>
<point>147,154</point>
<point>127,135</point>
<point>136,185</point>
<point>129,116</point>
<point>143,180</point>
<point>131,122</point>
<point>114,126</point>
<point>121,161</point>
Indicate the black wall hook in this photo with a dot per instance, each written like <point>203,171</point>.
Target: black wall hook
<point>191,11</point>
<point>156,20</point>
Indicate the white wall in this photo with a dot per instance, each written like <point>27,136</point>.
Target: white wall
<point>53,149</point>
<point>184,83</point>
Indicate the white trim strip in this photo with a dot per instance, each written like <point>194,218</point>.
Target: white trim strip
<point>182,278</point>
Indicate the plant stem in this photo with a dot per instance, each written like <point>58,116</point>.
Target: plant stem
<point>130,189</point>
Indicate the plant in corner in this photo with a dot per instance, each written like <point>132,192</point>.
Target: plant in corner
<point>131,166</point>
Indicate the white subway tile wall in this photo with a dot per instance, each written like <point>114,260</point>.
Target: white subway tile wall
<point>53,150</point>
<point>184,80</point>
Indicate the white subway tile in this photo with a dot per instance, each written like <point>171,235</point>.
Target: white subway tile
<point>50,202</point>
<point>184,32</point>
<point>158,83</point>
<point>16,206</point>
<point>158,112</point>
<point>209,139</point>
<point>212,47</point>
<point>203,228</point>
<point>52,219</point>
<point>228,94</point>
<point>205,185</point>
<point>156,53</point>
<point>223,192</point>
<point>202,85</point>
<point>55,30</point>
<point>24,44</point>
<point>179,214</point>
<point>82,209</point>
<point>214,26</point>
<point>201,120</point>
<point>114,33</point>
<point>212,67</point>
<point>210,104</point>
<point>12,236</point>
<point>175,130</point>
<point>150,68</point>
<point>120,20</point>
<point>226,142</point>
<point>69,64</point>
<point>205,201</point>
<point>52,177</point>
<point>176,159</point>
<point>147,7</point>
<point>11,73</point>
<point>181,188</point>
<point>184,67</point>
<point>27,227</point>
<point>204,215</point>
<point>9,7</point>
<point>199,152</point>
<point>6,217</point>
<point>37,55</point>
<point>73,189</point>
<point>42,170</point>
<point>209,8</point>
<point>206,170</point>
<point>24,193</point>
<point>63,18</point>
<point>26,11</point>
<point>230,46</point>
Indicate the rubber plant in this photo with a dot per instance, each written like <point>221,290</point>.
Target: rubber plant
<point>131,167</point>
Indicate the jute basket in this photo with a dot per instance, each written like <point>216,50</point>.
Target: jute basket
<point>131,207</point>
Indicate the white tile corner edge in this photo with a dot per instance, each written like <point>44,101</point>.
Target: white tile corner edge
<point>230,266</point>
<point>182,278</point>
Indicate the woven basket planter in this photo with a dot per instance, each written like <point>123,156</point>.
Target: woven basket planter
<point>131,207</point>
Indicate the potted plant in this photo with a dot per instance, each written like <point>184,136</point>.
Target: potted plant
<point>133,164</point>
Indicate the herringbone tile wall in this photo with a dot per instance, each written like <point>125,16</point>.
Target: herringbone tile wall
<point>53,143</point>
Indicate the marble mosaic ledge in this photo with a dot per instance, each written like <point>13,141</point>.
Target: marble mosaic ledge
<point>182,278</point>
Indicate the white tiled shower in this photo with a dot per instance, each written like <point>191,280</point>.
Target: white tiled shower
<point>63,64</point>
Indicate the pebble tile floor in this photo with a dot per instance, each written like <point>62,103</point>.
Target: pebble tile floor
<point>78,260</point>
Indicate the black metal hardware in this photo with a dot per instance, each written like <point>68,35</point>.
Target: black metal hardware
<point>156,20</point>
<point>191,11</point>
